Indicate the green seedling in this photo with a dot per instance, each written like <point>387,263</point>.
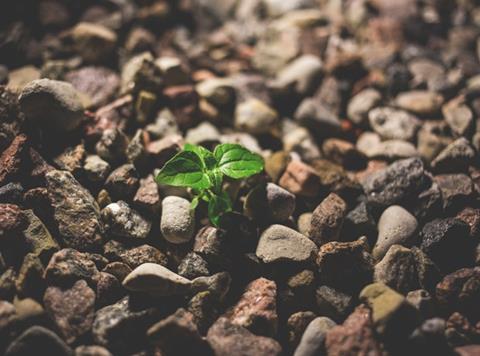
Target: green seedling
<point>203,171</point>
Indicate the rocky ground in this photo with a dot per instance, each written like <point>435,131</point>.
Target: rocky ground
<point>361,237</point>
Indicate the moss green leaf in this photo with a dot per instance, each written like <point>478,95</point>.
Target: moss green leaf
<point>237,162</point>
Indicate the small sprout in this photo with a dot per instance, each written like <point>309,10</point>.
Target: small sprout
<point>203,171</point>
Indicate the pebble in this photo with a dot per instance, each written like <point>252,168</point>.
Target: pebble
<point>93,42</point>
<point>279,243</point>
<point>156,280</point>
<point>203,134</point>
<point>52,104</point>
<point>446,242</point>
<point>112,145</point>
<point>75,211</point>
<point>212,245</point>
<point>299,77</point>
<point>256,309</point>
<point>393,124</point>
<point>334,260</point>
<point>11,159</point>
<point>38,338</point>
<point>122,221</point>
<point>459,117</point>
<point>68,265</point>
<point>391,314</point>
<point>38,238</point>
<point>397,269</point>
<point>356,333</point>
<point>193,266</point>
<point>71,309</point>
<point>296,325</point>
<point>333,303</point>
<point>361,104</point>
<point>177,334</point>
<point>313,339</point>
<point>314,115</point>
<point>226,338</point>
<point>123,182</point>
<point>456,157</point>
<point>395,226</point>
<point>456,189</point>
<point>432,138</point>
<point>93,350</point>
<point>269,202</point>
<point>300,179</point>
<point>96,169</point>
<point>255,117</point>
<point>420,102</point>
<point>177,222</point>
<point>327,220</point>
<point>398,182</point>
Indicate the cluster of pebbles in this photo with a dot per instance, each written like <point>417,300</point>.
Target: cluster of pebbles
<point>361,237</point>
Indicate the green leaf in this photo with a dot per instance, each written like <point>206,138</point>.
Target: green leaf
<point>216,177</point>
<point>207,157</point>
<point>194,203</point>
<point>236,161</point>
<point>218,205</point>
<point>185,169</point>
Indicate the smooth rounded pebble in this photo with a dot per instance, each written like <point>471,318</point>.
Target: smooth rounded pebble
<point>279,243</point>
<point>395,226</point>
<point>52,103</point>
<point>313,339</point>
<point>177,222</point>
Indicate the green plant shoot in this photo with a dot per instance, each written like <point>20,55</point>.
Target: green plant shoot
<point>203,171</point>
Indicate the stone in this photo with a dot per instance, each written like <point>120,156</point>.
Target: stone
<point>276,164</point>
<point>122,221</point>
<point>467,350</point>
<point>30,281</point>
<point>279,243</point>
<point>38,338</point>
<point>112,145</point>
<point>193,266</point>
<point>359,222</point>
<point>205,308</point>
<point>147,197</point>
<point>398,182</point>
<point>156,280</point>
<point>333,303</point>
<point>459,330</point>
<point>446,241</point>
<point>458,291</point>
<point>299,77</point>
<point>343,153</point>
<point>205,134</point>
<point>370,145</point>
<point>471,217</point>
<point>68,265</point>
<point>96,169</point>
<point>303,223</point>
<point>430,337</point>
<point>138,255</point>
<point>118,269</point>
<point>122,183</point>
<point>38,238</point>
<point>327,220</point>
<point>395,226</point>
<point>177,334</point>
<point>71,159</point>
<point>212,245</point>
<point>75,211</point>
<point>393,124</point>
<point>459,117</point>
<point>7,284</point>
<point>356,333</point>
<point>177,222</point>
<point>269,202</point>
<point>220,92</point>
<point>108,289</point>
<point>300,179</point>
<point>456,157</point>
<point>296,325</point>
<point>313,339</point>
<point>72,309</point>
<point>218,285</point>
<point>99,84</point>
<point>299,140</point>
<point>122,318</point>
<point>255,117</point>
<point>423,301</point>
<point>257,308</point>
<point>173,71</point>
<point>8,317</point>
<point>226,338</point>
<point>52,104</point>
<point>11,193</point>
<point>92,350</point>
<point>361,104</point>
<point>334,263</point>
<point>392,316</point>
<point>397,269</point>
<point>93,42</point>
<point>314,115</point>
<point>12,221</point>
<point>420,102</point>
<point>432,138</point>
<point>456,189</point>
<point>11,159</point>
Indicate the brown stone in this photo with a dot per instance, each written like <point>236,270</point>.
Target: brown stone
<point>257,308</point>
<point>72,310</point>
<point>327,220</point>
<point>11,159</point>
<point>354,337</point>
<point>12,221</point>
<point>300,179</point>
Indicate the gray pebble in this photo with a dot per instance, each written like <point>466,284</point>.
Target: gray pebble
<point>122,221</point>
<point>393,124</point>
<point>177,222</point>
<point>313,339</point>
